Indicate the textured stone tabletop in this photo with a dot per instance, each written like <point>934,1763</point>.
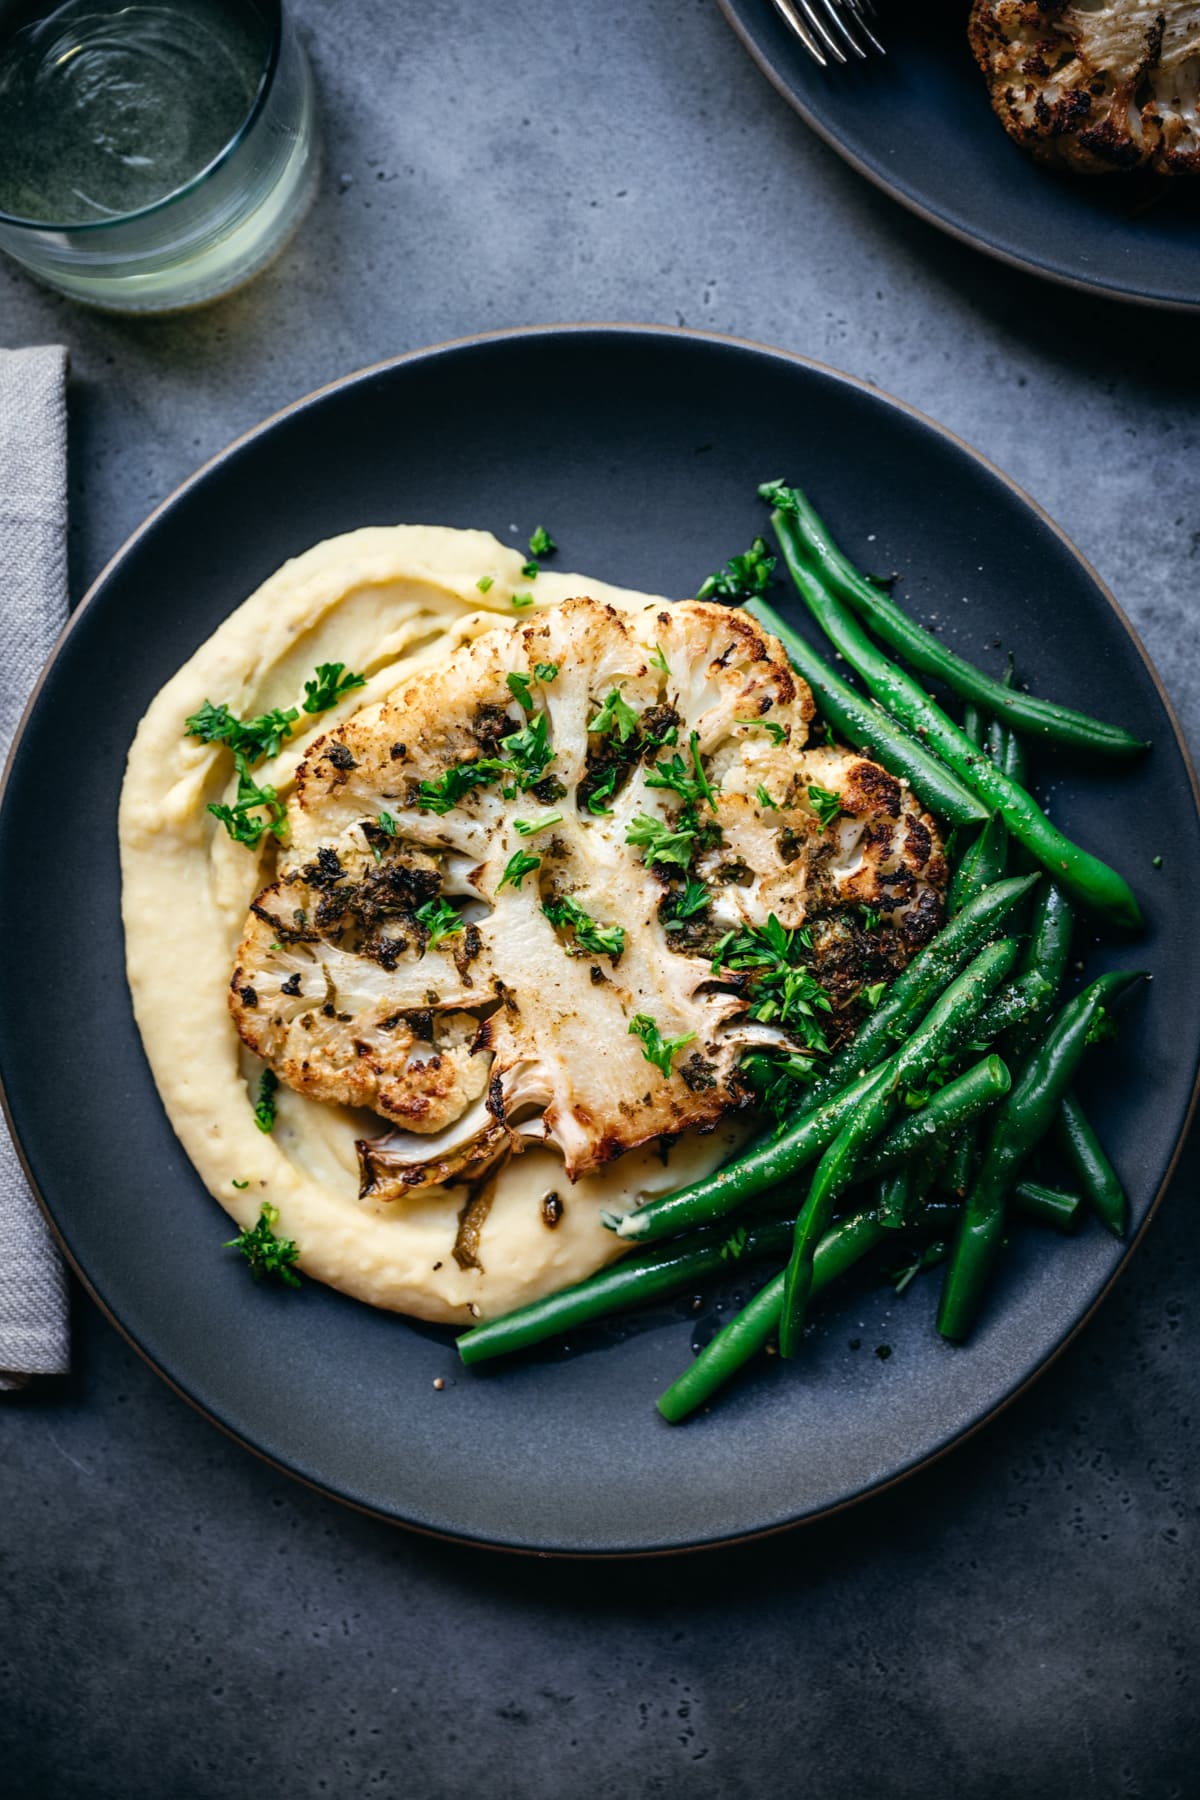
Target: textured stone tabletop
<point>176,1618</point>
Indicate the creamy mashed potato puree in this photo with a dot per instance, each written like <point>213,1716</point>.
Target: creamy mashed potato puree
<point>389,602</point>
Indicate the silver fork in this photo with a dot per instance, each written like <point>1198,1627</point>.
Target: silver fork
<point>828,28</point>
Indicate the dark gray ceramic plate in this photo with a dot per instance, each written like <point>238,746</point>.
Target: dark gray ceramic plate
<point>641,450</point>
<point>919,124</point>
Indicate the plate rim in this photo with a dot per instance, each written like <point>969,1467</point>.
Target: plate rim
<point>617,329</point>
<point>1011,260</point>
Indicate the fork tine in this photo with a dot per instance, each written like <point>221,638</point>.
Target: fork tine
<point>822,30</point>
<point>834,11</point>
<point>796,25</point>
<point>861,11</point>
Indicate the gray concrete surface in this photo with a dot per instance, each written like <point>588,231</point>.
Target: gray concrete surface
<point>178,1620</point>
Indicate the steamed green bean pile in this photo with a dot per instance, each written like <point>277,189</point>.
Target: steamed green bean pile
<point>951,1114</point>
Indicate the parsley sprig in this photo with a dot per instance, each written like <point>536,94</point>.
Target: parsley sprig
<point>250,738</point>
<point>655,1047</point>
<point>692,788</point>
<point>269,1256</point>
<point>591,938</point>
<point>742,578</point>
<point>617,717</point>
<point>776,732</point>
<point>785,991</point>
<point>254,811</point>
<point>328,686</point>
<point>519,865</point>
<point>826,805</point>
<point>439,920</point>
<point>660,842</point>
<point>265,1109</point>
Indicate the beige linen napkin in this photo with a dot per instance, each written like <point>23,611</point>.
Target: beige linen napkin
<point>33,607</point>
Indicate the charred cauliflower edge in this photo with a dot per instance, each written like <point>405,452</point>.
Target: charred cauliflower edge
<point>556,889</point>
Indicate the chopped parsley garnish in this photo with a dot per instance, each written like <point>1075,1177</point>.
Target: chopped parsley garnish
<point>546,671</point>
<point>267,1254</point>
<point>694,899</point>
<point>870,918</point>
<point>785,992</point>
<point>692,788</point>
<point>603,790</point>
<point>660,843</point>
<point>541,543</point>
<point>520,864</point>
<point>240,1184</point>
<point>743,577</point>
<point>329,686</point>
<point>486,583</point>
<point>777,1079</point>
<point>735,1244</point>
<point>243,820</point>
<point>529,750</point>
<point>591,939</point>
<point>827,806</point>
<point>530,569</point>
<point>444,793</point>
<point>872,995</point>
<point>439,919</point>
<point>264,1108</point>
<point>764,799</point>
<point>527,827</point>
<point>777,733</point>
<point>659,661</point>
<point>386,824</point>
<point>655,1047</point>
<point>251,738</point>
<point>617,716</point>
<point>521,601</point>
<point>520,686</point>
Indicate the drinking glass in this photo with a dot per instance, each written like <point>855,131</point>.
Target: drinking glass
<point>153,153</point>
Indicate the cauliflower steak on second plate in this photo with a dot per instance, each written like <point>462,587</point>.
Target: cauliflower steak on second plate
<point>1095,85</point>
<point>531,896</point>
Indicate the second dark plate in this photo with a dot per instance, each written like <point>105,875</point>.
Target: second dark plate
<point>919,124</point>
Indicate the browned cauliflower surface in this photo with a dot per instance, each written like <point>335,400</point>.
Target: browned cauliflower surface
<point>566,831</point>
<point>1110,85</point>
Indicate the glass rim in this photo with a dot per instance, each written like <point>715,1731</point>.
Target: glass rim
<point>272,11</point>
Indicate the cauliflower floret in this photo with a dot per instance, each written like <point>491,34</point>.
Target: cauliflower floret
<point>606,794</point>
<point>1096,85</point>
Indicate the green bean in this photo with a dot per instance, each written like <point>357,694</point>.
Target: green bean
<point>1021,1123</point>
<point>948,1022</point>
<point>919,648</point>
<point>950,1107</point>
<point>749,1331</point>
<point>848,1241</point>
<point>634,1281</point>
<point>764,1165</point>
<point>893,1197</point>
<point>1048,1205</point>
<point>982,865</point>
<point>1085,876</point>
<point>870,730</point>
<point>975,725</point>
<point>1050,930</point>
<point>960,1164</point>
<point>1099,1180</point>
<point>1023,999</point>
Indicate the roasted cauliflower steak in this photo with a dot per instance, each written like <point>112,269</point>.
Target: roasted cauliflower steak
<point>1099,86</point>
<point>508,889</point>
